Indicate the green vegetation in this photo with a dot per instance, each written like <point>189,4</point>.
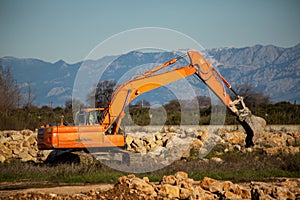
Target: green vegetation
<point>60,173</point>
<point>237,167</point>
<point>32,117</point>
<point>279,113</point>
<point>17,110</point>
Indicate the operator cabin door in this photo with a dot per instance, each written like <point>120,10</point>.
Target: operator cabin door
<point>89,131</point>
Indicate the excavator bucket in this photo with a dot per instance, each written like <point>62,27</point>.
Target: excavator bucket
<point>254,127</point>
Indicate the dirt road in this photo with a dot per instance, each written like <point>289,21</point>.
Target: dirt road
<point>58,190</point>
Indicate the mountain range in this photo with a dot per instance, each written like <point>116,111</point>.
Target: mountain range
<point>272,70</point>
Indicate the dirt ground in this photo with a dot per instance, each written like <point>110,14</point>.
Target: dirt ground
<point>58,189</point>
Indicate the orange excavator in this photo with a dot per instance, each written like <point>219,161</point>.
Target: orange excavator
<point>100,127</point>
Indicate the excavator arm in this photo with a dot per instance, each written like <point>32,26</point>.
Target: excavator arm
<point>252,124</point>
<point>199,66</point>
<point>125,93</point>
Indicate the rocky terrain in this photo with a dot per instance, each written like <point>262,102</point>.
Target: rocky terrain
<point>179,186</point>
<point>23,144</point>
<point>272,142</point>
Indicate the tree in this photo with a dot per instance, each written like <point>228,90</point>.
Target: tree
<point>29,97</point>
<point>173,105</point>
<point>203,101</point>
<point>253,99</point>
<point>68,106</point>
<point>101,94</point>
<point>142,104</point>
<point>9,91</point>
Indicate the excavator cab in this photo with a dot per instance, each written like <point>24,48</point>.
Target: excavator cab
<point>89,116</point>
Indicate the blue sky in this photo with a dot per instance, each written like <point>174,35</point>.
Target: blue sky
<point>70,29</point>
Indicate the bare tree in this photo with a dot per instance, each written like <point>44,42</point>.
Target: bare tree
<point>73,103</point>
<point>68,106</point>
<point>101,94</point>
<point>29,97</point>
<point>253,98</point>
<point>9,91</point>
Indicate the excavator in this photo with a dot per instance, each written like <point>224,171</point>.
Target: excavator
<point>100,127</point>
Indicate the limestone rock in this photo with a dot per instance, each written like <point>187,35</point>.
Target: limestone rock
<point>25,156</point>
<point>158,136</point>
<point>169,191</point>
<point>171,180</point>
<point>211,185</point>
<point>217,160</point>
<point>296,135</point>
<point>180,175</point>
<point>2,159</point>
<point>141,185</point>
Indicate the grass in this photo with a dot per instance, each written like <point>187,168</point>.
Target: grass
<point>237,167</point>
<point>66,173</point>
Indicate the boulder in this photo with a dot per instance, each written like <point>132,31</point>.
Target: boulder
<point>2,158</point>
<point>142,186</point>
<point>171,180</point>
<point>16,136</point>
<point>211,185</point>
<point>128,140</point>
<point>200,193</point>
<point>296,135</point>
<point>137,185</point>
<point>216,160</point>
<point>172,129</point>
<point>180,175</point>
<point>169,191</point>
<point>25,156</point>
<point>158,136</point>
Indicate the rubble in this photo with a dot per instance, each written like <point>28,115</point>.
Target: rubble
<point>167,142</point>
<point>20,145</point>
<point>180,186</point>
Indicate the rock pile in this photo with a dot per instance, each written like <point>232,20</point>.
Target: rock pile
<point>18,145</point>
<point>279,142</point>
<point>286,142</point>
<point>170,141</point>
<point>179,186</point>
<point>285,189</point>
<point>165,140</point>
